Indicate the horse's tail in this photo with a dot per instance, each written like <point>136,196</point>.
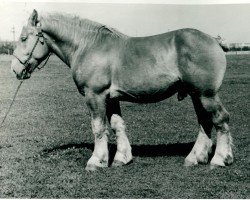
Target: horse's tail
<point>224,47</point>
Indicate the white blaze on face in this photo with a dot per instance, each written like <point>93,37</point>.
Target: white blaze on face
<point>16,67</point>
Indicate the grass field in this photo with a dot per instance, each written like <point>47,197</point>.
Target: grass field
<point>46,141</point>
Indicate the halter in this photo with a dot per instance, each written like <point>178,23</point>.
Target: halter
<point>26,63</point>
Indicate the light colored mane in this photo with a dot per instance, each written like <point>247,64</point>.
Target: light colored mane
<point>79,29</point>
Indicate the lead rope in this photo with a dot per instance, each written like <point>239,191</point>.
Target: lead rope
<point>13,100</point>
<point>18,87</point>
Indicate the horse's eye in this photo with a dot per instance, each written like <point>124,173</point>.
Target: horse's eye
<point>23,38</point>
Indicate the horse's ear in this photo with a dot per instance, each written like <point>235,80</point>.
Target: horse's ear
<point>33,19</point>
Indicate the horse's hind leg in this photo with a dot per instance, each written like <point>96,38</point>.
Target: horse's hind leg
<point>123,154</point>
<point>223,152</point>
<point>220,117</point>
<point>203,144</point>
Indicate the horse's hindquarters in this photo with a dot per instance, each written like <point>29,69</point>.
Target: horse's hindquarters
<point>201,61</point>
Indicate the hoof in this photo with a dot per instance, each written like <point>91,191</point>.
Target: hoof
<point>94,163</point>
<point>215,166</point>
<point>218,161</point>
<point>189,163</point>
<point>228,160</point>
<point>91,168</point>
<point>203,159</point>
<point>117,163</point>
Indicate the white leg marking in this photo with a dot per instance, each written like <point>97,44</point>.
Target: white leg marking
<point>99,157</point>
<point>223,152</point>
<point>201,149</point>
<point>123,153</point>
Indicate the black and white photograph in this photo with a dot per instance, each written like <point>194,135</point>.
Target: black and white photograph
<point>124,99</point>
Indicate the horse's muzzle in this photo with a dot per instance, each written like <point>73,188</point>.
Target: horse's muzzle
<point>23,75</point>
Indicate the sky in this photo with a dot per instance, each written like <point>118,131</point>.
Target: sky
<point>231,21</point>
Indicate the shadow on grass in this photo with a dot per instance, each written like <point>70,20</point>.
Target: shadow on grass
<point>178,149</point>
<point>160,150</point>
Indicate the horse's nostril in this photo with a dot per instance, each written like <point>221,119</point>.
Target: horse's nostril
<point>14,71</point>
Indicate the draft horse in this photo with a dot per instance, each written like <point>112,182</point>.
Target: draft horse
<point>109,67</point>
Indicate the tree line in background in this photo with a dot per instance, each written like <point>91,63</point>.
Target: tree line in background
<point>232,46</point>
<point>7,47</point>
<point>236,47</point>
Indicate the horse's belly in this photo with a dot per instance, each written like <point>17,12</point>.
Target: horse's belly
<point>145,93</point>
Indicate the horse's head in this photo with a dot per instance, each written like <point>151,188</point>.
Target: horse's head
<point>31,49</point>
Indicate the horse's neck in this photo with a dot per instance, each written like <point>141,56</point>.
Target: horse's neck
<point>65,47</point>
<point>64,50</point>
<point>69,45</point>
<point>61,50</point>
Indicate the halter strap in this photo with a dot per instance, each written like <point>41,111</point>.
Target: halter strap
<point>26,63</point>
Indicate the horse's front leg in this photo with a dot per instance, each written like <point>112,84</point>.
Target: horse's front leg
<point>96,105</point>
